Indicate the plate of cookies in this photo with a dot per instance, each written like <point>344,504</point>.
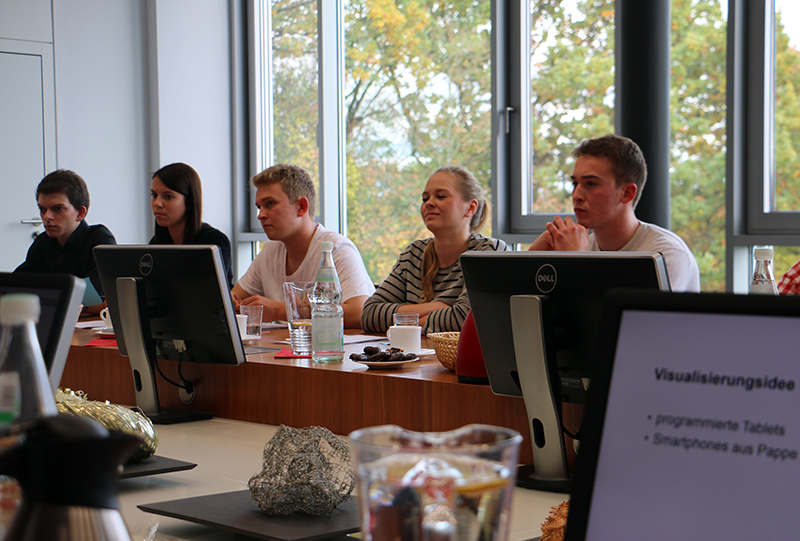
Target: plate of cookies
<point>382,359</point>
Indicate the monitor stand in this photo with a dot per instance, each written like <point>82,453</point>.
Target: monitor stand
<point>539,382</point>
<point>141,351</point>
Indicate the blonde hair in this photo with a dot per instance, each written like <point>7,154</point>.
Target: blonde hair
<point>295,183</point>
<point>469,188</point>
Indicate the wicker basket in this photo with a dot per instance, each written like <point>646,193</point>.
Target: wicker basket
<point>446,346</point>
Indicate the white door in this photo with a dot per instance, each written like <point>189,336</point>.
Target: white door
<point>27,142</point>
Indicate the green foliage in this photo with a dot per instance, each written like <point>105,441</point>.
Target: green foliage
<point>572,70</point>
<point>418,84</point>
<point>698,134</point>
<point>295,100</point>
<point>787,122</point>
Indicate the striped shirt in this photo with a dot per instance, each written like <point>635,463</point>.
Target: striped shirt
<point>404,286</point>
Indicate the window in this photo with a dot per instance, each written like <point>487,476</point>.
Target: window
<point>763,191</point>
<point>784,195</point>
<point>699,133</point>
<point>572,97</point>
<point>421,86</point>
<point>291,86</point>
<point>571,94</point>
<point>415,95</point>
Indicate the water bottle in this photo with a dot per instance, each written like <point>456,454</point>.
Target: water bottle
<point>763,282</point>
<point>327,315</point>
<point>25,391</point>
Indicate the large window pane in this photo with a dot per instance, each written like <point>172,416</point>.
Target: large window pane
<point>572,93</point>
<point>295,79</point>
<point>786,187</point>
<point>698,112</point>
<point>417,85</point>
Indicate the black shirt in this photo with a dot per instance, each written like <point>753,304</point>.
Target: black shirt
<point>210,235</point>
<point>75,257</point>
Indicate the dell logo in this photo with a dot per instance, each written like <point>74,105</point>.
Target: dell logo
<point>546,278</point>
<point>146,264</point>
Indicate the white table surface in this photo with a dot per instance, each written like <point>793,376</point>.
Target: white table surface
<point>227,454</point>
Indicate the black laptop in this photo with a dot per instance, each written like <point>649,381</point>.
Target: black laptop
<point>692,427</point>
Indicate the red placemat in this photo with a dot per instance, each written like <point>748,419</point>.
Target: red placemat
<point>102,342</point>
<point>286,353</point>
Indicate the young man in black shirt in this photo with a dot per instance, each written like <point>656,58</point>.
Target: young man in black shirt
<point>63,200</point>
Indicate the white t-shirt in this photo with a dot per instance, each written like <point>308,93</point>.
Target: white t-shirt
<point>267,273</point>
<point>684,275</point>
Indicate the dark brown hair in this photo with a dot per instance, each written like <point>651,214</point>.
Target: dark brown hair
<point>183,179</point>
<point>627,160</point>
<point>67,182</point>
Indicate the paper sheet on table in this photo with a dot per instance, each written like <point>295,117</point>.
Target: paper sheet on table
<point>358,338</point>
<point>274,325</point>
<point>93,324</point>
<point>349,339</point>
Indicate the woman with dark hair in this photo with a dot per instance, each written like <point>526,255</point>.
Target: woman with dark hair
<point>177,199</point>
<point>427,278</point>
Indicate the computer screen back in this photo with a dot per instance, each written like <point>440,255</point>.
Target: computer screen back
<point>573,282</point>
<point>60,298</point>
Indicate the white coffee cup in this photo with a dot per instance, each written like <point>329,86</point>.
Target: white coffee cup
<point>405,337</point>
<point>106,317</point>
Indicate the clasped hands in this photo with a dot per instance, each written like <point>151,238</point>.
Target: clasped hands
<point>562,235</point>
<point>273,310</point>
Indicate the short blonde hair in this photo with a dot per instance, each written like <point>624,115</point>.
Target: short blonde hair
<point>295,183</point>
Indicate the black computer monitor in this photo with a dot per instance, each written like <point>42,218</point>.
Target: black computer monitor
<point>169,302</point>
<point>537,315</point>
<point>60,298</point>
<point>691,422</point>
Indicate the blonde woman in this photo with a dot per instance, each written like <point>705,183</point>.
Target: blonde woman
<point>427,278</point>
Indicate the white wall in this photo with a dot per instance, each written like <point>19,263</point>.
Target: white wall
<point>101,109</point>
<point>123,110</point>
<point>26,20</point>
<point>194,98</point>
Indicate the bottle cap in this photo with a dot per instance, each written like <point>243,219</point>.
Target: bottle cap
<point>763,253</point>
<point>327,246</point>
<point>17,308</point>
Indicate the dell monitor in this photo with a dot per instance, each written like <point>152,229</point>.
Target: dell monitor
<point>60,298</point>
<point>169,302</point>
<point>537,316</point>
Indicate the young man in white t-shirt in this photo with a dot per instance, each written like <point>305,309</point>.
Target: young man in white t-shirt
<point>607,179</point>
<point>286,199</point>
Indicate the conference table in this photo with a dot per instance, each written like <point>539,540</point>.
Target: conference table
<point>342,397</point>
<point>227,453</point>
<point>250,400</point>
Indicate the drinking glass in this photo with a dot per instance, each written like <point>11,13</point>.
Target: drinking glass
<point>252,331</point>
<point>298,314</point>
<point>435,485</point>
<point>405,319</point>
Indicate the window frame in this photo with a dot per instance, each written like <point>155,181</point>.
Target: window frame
<point>749,159</point>
<point>511,134</point>
<point>332,196</point>
<point>750,156</point>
